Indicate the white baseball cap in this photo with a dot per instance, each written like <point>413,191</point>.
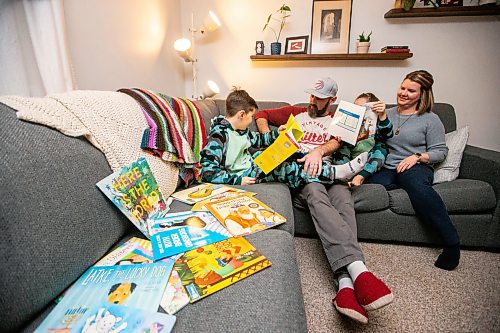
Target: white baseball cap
<point>324,88</point>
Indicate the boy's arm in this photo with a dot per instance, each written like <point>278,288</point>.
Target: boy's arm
<point>275,117</point>
<point>212,167</point>
<point>376,159</point>
<point>384,130</point>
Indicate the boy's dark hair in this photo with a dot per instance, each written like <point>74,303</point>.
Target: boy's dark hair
<point>369,96</point>
<point>238,99</point>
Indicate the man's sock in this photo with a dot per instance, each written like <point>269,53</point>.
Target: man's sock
<point>449,258</point>
<point>355,268</point>
<point>346,171</point>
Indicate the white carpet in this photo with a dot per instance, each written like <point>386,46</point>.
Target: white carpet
<point>427,299</point>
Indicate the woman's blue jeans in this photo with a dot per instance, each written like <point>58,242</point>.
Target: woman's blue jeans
<point>428,205</point>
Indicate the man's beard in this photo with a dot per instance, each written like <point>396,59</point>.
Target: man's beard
<point>313,111</point>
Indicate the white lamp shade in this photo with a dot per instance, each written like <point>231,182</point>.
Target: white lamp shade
<point>211,89</point>
<point>211,22</point>
<point>183,48</point>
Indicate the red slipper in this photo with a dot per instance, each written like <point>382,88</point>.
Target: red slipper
<point>346,303</point>
<point>371,292</point>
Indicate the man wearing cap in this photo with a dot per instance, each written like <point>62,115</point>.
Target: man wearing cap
<point>331,206</point>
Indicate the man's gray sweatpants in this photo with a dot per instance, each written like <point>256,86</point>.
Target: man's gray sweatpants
<point>332,211</point>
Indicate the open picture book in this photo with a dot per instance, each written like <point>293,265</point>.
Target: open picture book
<point>282,148</point>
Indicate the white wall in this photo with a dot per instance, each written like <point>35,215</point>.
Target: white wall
<point>125,44</point>
<point>462,53</point>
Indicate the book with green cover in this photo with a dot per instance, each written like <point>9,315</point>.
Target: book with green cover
<point>134,190</point>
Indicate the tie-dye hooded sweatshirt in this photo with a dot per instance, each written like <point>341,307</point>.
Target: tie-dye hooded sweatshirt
<point>227,156</point>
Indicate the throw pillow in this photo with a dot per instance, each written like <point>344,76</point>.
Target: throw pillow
<point>448,169</point>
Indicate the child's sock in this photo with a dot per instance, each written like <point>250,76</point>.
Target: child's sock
<point>346,171</point>
<point>449,258</point>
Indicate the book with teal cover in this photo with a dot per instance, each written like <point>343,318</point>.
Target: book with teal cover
<point>139,286</point>
<point>138,251</point>
<point>134,190</point>
<point>179,232</point>
<point>110,318</point>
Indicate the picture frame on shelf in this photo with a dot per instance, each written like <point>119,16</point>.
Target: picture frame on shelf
<point>451,3</point>
<point>330,26</point>
<point>296,45</point>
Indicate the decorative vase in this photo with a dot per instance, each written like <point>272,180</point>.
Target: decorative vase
<point>275,48</point>
<point>363,47</point>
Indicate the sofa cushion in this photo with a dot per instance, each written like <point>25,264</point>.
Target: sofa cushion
<point>269,301</point>
<point>275,195</point>
<point>369,198</point>
<point>49,201</point>
<point>448,170</point>
<point>459,196</point>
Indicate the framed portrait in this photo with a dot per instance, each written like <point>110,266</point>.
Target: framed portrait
<point>295,45</point>
<point>331,25</point>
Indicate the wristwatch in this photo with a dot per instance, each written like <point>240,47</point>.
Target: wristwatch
<point>419,156</point>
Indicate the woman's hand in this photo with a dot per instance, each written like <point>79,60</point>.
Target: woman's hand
<point>356,181</point>
<point>379,109</point>
<point>407,163</point>
<point>247,180</point>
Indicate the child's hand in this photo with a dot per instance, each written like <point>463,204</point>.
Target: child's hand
<point>356,181</point>
<point>247,181</point>
<point>379,109</point>
<point>281,128</point>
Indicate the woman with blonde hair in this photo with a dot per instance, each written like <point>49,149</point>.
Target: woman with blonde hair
<point>419,143</point>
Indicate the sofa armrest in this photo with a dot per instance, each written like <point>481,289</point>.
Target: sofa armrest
<point>482,164</point>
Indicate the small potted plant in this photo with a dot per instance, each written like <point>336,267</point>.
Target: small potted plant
<point>363,42</point>
<point>283,13</point>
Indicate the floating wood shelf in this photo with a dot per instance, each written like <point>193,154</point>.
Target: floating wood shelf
<point>444,11</point>
<point>349,56</point>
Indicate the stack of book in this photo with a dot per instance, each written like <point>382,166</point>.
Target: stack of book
<point>188,255</point>
<point>395,49</point>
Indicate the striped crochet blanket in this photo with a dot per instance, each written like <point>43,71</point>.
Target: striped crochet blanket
<point>176,131</point>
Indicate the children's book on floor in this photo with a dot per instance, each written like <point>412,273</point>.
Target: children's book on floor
<point>179,232</point>
<point>200,192</point>
<point>139,251</point>
<point>208,269</point>
<point>134,190</point>
<point>282,148</point>
<point>346,121</point>
<point>138,286</point>
<point>243,215</point>
<point>110,318</point>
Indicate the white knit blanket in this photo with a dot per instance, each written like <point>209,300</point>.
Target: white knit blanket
<point>113,122</point>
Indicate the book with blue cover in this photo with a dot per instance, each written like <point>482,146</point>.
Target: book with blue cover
<point>139,286</point>
<point>137,251</point>
<point>179,232</point>
<point>134,190</point>
<point>110,318</point>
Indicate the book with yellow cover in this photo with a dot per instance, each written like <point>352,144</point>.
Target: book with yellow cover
<point>200,192</point>
<point>210,268</point>
<point>282,148</point>
<point>244,214</point>
<point>234,192</point>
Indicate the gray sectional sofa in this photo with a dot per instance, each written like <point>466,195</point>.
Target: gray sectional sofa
<point>55,223</point>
